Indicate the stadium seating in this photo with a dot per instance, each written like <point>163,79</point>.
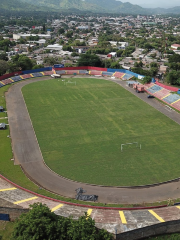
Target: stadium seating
<point>16,78</point>
<point>37,74</point>
<point>148,85</point>
<point>126,76</point>
<point>1,84</point>
<point>176,105</point>
<point>83,72</point>
<point>47,73</point>
<point>25,76</point>
<point>162,93</point>
<point>118,74</point>
<point>61,72</point>
<point>107,73</point>
<point>154,89</point>
<point>171,98</point>
<point>94,72</point>
<point>6,81</point>
<point>72,71</point>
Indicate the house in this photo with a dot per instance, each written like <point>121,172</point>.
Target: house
<point>175,46</point>
<point>112,54</point>
<point>1,109</point>
<point>2,126</point>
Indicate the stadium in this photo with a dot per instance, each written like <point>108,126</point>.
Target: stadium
<point>94,130</point>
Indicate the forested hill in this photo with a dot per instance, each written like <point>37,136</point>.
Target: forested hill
<point>95,6</point>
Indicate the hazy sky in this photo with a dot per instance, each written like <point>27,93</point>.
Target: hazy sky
<point>154,3</point>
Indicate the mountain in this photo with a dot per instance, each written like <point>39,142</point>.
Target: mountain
<point>96,6</point>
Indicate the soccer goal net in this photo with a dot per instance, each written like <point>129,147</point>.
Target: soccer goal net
<point>69,82</point>
<point>131,145</point>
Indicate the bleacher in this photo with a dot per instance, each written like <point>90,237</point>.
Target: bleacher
<point>126,76</point>
<point>25,76</point>
<point>107,73</point>
<point>48,73</point>
<point>61,72</point>
<point>154,89</point>
<point>94,72</point>
<point>118,74</point>
<point>1,84</point>
<point>6,81</point>
<point>16,78</point>
<point>37,74</point>
<point>148,85</point>
<point>70,72</point>
<point>162,93</point>
<point>171,98</point>
<point>176,105</point>
<point>83,72</point>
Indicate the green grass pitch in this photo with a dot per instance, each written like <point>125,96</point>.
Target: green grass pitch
<point>80,130</point>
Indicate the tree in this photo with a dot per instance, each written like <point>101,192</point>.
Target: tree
<point>3,56</point>
<point>61,31</point>
<point>23,62</point>
<point>89,60</point>
<point>69,34</point>
<point>4,67</point>
<point>146,79</point>
<point>40,223</point>
<point>38,66</point>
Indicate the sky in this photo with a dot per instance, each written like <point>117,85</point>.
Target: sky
<point>154,3</point>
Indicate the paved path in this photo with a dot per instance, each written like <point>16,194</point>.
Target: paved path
<point>113,221</point>
<point>27,153</point>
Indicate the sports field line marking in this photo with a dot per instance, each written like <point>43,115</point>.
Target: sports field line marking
<point>156,216</point>
<point>7,189</point>
<point>25,200</point>
<point>89,211</point>
<point>57,207</point>
<point>123,219</point>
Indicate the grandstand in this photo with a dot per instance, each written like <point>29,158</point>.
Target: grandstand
<point>176,105</point>
<point>94,72</point>
<point>172,98</point>
<point>148,85</point>
<point>37,74</point>
<point>126,76</point>
<point>25,76</point>
<point>155,88</point>
<point>72,72</point>
<point>1,84</point>
<point>83,72</point>
<point>107,73</point>
<point>61,72</point>
<point>162,93</point>
<point>48,73</point>
<point>118,75</point>
<point>16,78</point>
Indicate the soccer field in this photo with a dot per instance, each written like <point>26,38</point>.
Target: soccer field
<point>80,130</point>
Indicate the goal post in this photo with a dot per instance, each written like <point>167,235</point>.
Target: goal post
<point>136,144</point>
<point>69,82</point>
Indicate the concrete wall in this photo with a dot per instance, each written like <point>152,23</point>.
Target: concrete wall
<point>154,230</point>
<point>13,212</point>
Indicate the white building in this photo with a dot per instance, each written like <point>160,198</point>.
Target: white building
<point>23,35</point>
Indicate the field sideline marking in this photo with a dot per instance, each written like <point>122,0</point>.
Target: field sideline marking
<point>7,189</point>
<point>123,219</point>
<point>57,207</point>
<point>25,200</point>
<point>156,216</point>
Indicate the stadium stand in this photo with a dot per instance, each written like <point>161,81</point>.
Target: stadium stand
<point>47,73</point>
<point>72,72</point>
<point>126,76</point>
<point>61,72</point>
<point>37,74</point>
<point>148,85</point>
<point>7,81</point>
<point>1,84</point>
<point>25,76</point>
<point>94,72</point>
<point>107,73</point>
<point>176,105</point>
<point>154,89</point>
<point>118,74</point>
<point>172,98</point>
<point>83,72</point>
<point>162,93</point>
<point>16,78</point>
